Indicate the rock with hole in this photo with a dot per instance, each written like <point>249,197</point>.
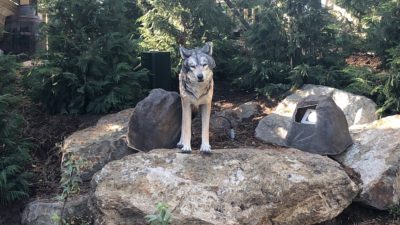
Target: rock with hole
<point>274,127</point>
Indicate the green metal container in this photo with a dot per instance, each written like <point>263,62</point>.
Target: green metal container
<point>159,65</point>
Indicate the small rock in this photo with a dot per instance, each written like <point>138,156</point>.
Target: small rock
<point>46,211</point>
<point>247,110</point>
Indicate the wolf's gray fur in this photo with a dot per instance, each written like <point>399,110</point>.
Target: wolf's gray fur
<point>196,86</point>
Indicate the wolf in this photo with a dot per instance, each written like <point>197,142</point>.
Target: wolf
<point>196,86</point>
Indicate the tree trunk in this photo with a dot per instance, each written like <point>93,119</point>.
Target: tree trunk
<point>237,14</point>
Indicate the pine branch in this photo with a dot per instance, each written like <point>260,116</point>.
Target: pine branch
<point>230,4</point>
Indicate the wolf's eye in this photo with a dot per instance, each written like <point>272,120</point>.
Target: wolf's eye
<point>192,66</point>
<point>204,65</point>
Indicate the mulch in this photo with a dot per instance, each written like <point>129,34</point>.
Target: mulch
<point>225,98</point>
<point>364,59</point>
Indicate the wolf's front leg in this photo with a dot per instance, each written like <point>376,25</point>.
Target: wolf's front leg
<point>205,127</point>
<point>186,132</point>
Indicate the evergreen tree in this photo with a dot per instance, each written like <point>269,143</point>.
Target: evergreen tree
<point>90,66</point>
<point>383,30</point>
<point>293,42</point>
<point>166,24</point>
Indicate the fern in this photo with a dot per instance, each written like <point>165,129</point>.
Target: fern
<point>14,154</point>
<point>389,94</point>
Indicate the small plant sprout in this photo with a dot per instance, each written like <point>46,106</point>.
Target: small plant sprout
<point>395,211</point>
<point>71,176</point>
<point>161,217</point>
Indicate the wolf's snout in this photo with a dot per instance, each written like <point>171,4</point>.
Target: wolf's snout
<point>200,77</point>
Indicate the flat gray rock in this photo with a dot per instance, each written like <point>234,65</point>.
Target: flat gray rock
<point>45,211</point>
<point>232,186</point>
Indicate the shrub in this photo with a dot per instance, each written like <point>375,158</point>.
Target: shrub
<point>389,91</point>
<point>363,80</point>
<point>90,66</point>
<point>292,43</point>
<point>383,29</point>
<point>14,153</point>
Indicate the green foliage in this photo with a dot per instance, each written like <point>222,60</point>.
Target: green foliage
<point>389,90</point>
<point>384,28</point>
<point>14,149</point>
<point>382,87</point>
<point>56,219</point>
<point>389,94</point>
<point>90,66</point>
<point>363,80</point>
<point>8,70</point>
<point>167,24</point>
<point>227,53</point>
<point>264,67</point>
<point>360,9</point>
<point>311,37</point>
<point>292,43</point>
<point>381,22</point>
<point>394,211</point>
<point>71,175</point>
<point>162,216</point>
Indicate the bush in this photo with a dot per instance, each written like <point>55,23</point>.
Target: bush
<point>90,66</point>
<point>292,43</point>
<point>14,155</point>
<point>363,81</point>
<point>389,91</point>
<point>383,29</point>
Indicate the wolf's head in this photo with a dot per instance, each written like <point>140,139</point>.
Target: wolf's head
<point>198,63</point>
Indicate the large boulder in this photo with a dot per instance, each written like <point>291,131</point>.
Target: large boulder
<point>98,144</point>
<point>156,122</point>
<point>375,155</point>
<point>232,186</point>
<point>274,127</point>
<point>49,211</point>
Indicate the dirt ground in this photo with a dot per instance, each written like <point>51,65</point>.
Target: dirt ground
<point>48,131</point>
<point>364,59</point>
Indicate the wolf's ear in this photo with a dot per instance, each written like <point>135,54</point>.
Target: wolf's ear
<point>207,48</point>
<point>185,53</point>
